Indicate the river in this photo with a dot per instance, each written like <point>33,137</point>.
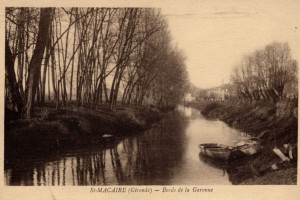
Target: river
<point>166,154</point>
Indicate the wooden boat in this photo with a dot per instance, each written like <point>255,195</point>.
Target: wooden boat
<point>216,151</point>
<point>224,152</point>
<point>245,151</point>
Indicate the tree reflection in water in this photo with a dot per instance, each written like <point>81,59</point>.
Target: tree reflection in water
<point>145,159</point>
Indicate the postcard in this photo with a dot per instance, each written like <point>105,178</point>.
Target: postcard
<point>139,99</point>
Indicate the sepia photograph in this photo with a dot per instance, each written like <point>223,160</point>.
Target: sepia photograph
<point>145,98</point>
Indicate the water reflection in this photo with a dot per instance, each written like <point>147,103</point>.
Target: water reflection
<point>144,159</point>
<point>167,154</point>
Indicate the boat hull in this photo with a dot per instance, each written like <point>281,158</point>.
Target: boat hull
<point>215,151</point>
<point>224,152</point>
<point>245,151</point>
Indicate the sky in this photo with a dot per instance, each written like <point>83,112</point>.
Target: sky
<point>214,35</point>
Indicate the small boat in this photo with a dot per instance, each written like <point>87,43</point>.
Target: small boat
<point>246,148</point>
<point>242,149</point>
<point>216,151</point>
<point>245,151</point>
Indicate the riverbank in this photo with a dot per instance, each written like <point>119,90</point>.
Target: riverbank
<point>75,127</point>
<point>274,125</point>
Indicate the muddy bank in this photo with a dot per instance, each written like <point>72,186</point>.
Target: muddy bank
<point>273,124</point>
<point>73,128</point>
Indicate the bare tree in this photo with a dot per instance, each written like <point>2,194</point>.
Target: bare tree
<point>264,74</point>
<point>13,95</point>
<point>106,51</point>
<point>36,60</point>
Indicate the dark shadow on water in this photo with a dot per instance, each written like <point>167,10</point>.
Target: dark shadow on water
<point>237,170</point>
<point>145,159</point>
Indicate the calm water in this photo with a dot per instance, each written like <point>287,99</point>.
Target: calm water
<point>167,154</point>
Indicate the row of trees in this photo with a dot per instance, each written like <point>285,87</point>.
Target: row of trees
<point>92,56</point>
<point>268,74</point>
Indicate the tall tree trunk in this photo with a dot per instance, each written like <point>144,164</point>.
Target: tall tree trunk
<point>53,64</point>
<point>72,69</point>
<point>21,57</point>
<point>34,70</point>
<point>105,90</point>
<point>43,82</point>
<point>112,89</point>
<point>49,91</point>
<point>13,94</point>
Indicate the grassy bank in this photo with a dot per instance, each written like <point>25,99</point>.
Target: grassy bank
<point>73,127</point>
<point>273,124</point>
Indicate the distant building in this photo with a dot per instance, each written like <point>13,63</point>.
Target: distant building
<point>217,93</point>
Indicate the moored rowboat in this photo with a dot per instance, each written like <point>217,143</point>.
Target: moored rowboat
<point>225,152</point>
<point>214,150</point>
